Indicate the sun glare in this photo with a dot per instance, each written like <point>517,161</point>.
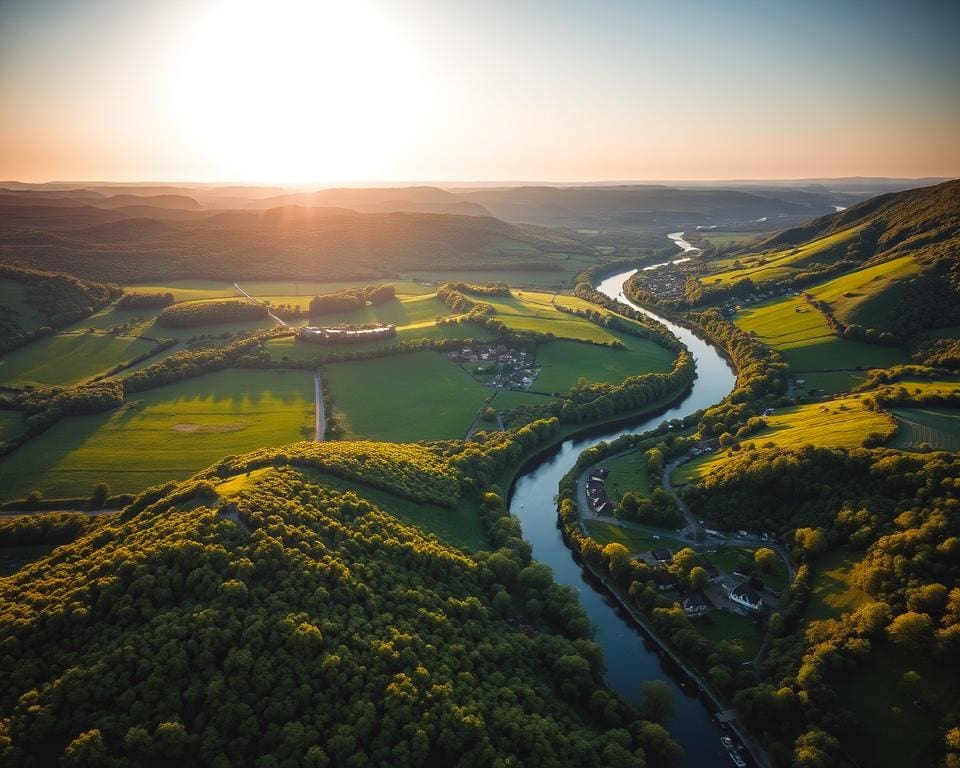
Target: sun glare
<point>298,90</point>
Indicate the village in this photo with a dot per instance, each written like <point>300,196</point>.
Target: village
<point>739,590</point>
<point>497,365</point>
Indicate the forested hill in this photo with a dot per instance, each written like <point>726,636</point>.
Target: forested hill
<point>273,617</point>
<point>290,241</point>
<point>899,223</point>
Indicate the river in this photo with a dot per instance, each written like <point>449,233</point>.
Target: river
<point>630,659</point>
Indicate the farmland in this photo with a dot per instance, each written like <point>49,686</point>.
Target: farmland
<point>165,433</point>
<point>628,473</point>
<point>534,311</point>
<point>838,423</point>
<point>68,358</point>
<point>566,362</point>
<point>807,343</point>
<point>938,428</point>
<point>416,396</point>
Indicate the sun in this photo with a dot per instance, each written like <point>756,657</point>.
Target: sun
<point>298,90</point>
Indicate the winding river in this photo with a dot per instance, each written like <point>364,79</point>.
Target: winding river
<point>630,658</point>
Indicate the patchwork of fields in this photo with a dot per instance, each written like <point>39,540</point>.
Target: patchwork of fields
<point>937,428</point>
<point>163,434</point>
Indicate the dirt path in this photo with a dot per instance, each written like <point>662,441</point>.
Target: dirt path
<point>321,417</point>
<point>255,300</point>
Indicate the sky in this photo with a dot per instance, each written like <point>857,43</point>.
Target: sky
<point>318,92</point>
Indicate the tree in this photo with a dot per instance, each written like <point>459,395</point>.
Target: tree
<point>683,561</point>
<point>765,558</point>
<point>811,541</point>
<point>657,701</point>
<point>698,578</point>
<point>911,629</point>
<point>101,492</point>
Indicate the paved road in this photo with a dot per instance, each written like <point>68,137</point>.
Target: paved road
<point>321,426</point>
<point>692,523</point>
<point>254,299</point>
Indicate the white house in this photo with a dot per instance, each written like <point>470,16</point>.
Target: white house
<point>746,596</point>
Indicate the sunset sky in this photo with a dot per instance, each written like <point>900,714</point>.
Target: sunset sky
<point>402,90</point>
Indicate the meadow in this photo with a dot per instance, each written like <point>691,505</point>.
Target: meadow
<point>807,343</point>
<point>163,434</point>
<point>833,592</point>
<point>774,265</point>
<point>838,423</point>
<point>403,398</point>
<point>937,427</point>
<point>733,628</point>
<point>68,358</point>
<point>628,473</point>
<point>534,311</point>
<point>566,362</point>
<point>635,540</point>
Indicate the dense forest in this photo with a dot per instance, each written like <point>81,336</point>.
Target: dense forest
<point>293,624</point>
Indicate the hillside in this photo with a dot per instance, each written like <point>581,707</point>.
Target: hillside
<point>291,241</point>
<point>271,614</point>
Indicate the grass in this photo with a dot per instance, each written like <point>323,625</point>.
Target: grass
<point>628,473</point>
<point>733,628</point>
<point>164,434</point>
<point>807,343</point>
<point>720,239</point>
<point>634,540</point>
<point>866,296</point>
<point>833,592</point>
<point>191,290</point>
<point>405,311</point>
<point>403,398</point>
<point>507,399</point>
<point>763,267</point>
<point>728,557</point>
<point>838,423</point>
<point>534,311</point>
<point>901,724</point>
<point>12,424</point>
<point>68,358</point>
<point>566,362</point>
<point>938,427</point>
<point>14,297</point>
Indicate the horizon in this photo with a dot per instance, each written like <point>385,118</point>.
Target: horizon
<point>300,93</point>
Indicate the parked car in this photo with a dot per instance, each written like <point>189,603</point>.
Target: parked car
<point>727,742</point>
<point>737,760</point>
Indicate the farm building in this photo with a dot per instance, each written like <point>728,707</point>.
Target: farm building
<point>695,605</point>
<point>345,335</point>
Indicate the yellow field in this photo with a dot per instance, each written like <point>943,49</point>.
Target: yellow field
<point>838,423</point>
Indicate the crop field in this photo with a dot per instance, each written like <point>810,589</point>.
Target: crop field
<point>166,433</point>
<point>866,296</point>
<point>807,343</point>
<point>838,423</point>
<point>403,398</point>
<point>833,592</point>
<point>191,290</point>
<point>938,428</point>
<point>13,296</point>
<point>68,358</point>
<point>628,473</point>
<point>566,362</point>
<point>534,311</point>
<point>762,267</point>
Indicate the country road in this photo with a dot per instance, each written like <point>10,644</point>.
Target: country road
<point>321,425</point>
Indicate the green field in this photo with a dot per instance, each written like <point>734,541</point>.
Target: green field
<point>720,239</point>
<point>534,311</point>
<point>68,358</point>
<point>867,296</point>
<point>733,628</point>
<point>628,473</point>
<point>838,423</point>
<point>11,424</point>
<point>190,290</point>
<point>403,398</point>
<point>773,265</point>
<point>807,343</point>
<point>833,592</point>
<point>163,434</point>
<point>901,723</point>
<point>566,362</point>
<point>507,399</point>
<point>937,427</point>
<point>14,297</point>
<point>404,311</point>
<point>728,557</point>
<point>634,540</point>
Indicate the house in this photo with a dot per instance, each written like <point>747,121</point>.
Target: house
<point>664,579</point>
<point>600,474</point>
<point>663,555</point>
<point>695,605</point>
<point>745,595</point>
